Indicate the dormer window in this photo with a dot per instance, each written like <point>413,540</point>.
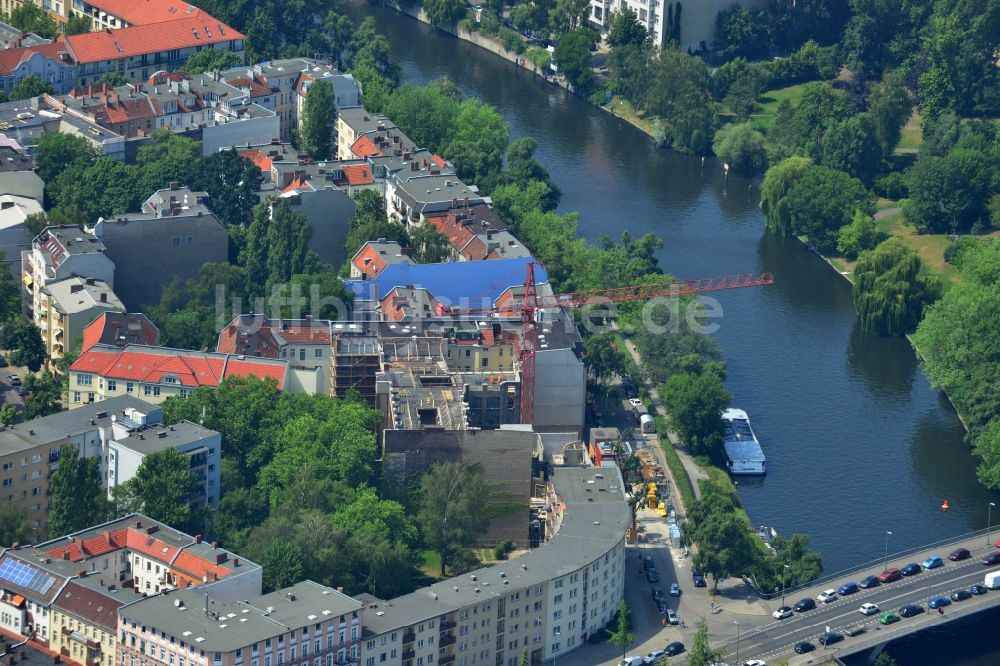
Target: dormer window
<point>171,379</point>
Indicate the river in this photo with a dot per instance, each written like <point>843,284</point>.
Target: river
<point>857,440</point>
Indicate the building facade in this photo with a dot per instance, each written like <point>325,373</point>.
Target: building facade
<point>73,304</point>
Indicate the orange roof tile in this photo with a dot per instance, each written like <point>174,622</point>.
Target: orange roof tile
<point>11,58</point>
<point>138,40</point>
<point>358,174</point>
<point>437,159</point>
<point>368,261</point>
<point>262,161</point>
<point>364,147</point>
<point>198,567</point>
<point>143,12</point>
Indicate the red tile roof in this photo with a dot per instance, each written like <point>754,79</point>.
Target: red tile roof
<point>138,40</point>
<point>358,174</point>
<point>251,335</point>
<point>364,147</point>
<point>117,328</point>
<point>190,368</point>
<point>136,540</point>
<point>143,12</point>
<point>199,567</point>
<point>300,182</point>
<point>262,161</point>
<point>257,87</point>
<point>11,58</point>
<point>449,227</point>
<point>369,261</point>
<point>437,159</point>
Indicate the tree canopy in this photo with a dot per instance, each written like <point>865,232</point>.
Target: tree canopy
<point>889,293</point>
<point>316,126</point>
<point>78,497</point>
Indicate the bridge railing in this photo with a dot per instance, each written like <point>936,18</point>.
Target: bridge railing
<point>846,573</point>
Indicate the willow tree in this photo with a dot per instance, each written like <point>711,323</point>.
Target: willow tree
<point>889,293</point>
<point>778,181</point>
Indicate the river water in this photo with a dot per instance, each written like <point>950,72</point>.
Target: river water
<point>857,440</point>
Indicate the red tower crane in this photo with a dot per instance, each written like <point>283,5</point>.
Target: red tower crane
<point>530,303</point>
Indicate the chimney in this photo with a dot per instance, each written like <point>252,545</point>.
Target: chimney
<point>236,561</point>
<point>104,297</point>
<point>215,544</point>
<point>197,538</point>
<point>173,185</point>
<point>466,202</point>
<point>107,536</point>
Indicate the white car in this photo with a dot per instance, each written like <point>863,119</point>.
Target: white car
<point>636,402</point>
<point>827,596</point>
<point>782,613</point>
<point>632,661</point>
<point>868,609</point>
<point>754,662</point>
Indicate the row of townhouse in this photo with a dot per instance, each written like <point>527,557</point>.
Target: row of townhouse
<point>106,14</point>
<point>119,433</point>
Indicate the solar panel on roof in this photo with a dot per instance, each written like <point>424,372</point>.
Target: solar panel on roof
<point>26,576</point>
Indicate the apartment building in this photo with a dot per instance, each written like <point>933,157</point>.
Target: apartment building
<point>21,195</point>
<point>548,601</point>
<point>156,373</point>
<point>695,22</point>
<point>173,236</point>
<point>49,62</point>
<point>72,305</point>
<point>56,254</point>
<point>305,623</point>
<point>304,343</point>
<point>105,14</point>
<point>118,329</point>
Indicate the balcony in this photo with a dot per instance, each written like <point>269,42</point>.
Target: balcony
<point>445,641</point>
<point>409,637</point>
<point>448,624</point>
<point>447,659</point>
<point>409,654</point>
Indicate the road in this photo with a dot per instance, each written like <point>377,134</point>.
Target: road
<point>775,638</point>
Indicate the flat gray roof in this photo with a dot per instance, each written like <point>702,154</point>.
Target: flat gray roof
<point>595,519</point>
<point>76,294</point>
<point>161,437</point>
<point>228,626</point>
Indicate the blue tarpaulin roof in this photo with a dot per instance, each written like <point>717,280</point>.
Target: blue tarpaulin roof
<point>475,283</point>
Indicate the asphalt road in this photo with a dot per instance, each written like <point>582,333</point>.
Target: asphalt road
<point>776,638</point>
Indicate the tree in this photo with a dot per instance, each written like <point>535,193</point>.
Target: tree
<point>102,189</point>
<point>624,29</point>
<point>282,565</point>
<point>889,107</point>
<point>425,113</point>
<point>801,127</point>
<point>30,86</point>
<point>8,414</point>
<point>572,56</point>
<point>78,499</point>
<point>695,404</point>
<point>231,182</point>
<point>10,294</point>
<point>113,79</point>
<point>524,660</point>
<point>163,488</point>
<point>30,17</point>
<point>603,360</point>
<point>44,394</point>
<point>452,507</point>
<point>889,293</point>
<point>77,25</point>
<point>14,526</point>
<point>679,91</point>
<point>277,246</point>
<point>58,152</point>
<point>429,246</point>
<point>700,653</point>
<point>948,194</point>
<point>317,120</point>
<point>210,60</point>
<point>742,32</point>
<point>862,233</point>
<point>623,636</point>
<point>477,141</point>
<point>724,544</point>
<point>24,340</point>
<point>884,659</point>
<point>822,201</point>
<point>778,182</point>
<point>740,146</point>
<point>167,158</point>
<point>853,146</point>
<point>444,14</point>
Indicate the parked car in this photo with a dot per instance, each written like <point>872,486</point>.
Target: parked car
<point>675,590</point>
<point>888,617</point>
<point>636,402</point>
<point>657,594</point>
<point>21,391</point>
<point>991,559</point>
<point>868,582</point>
<point>674,649</point>
<point>978,589</point>
<point>803,605</point>
<point>889,575</point>
<point>698,579</point>
<point>911,569</point>
<point>830,637</point>
<point>826,596</point>
<point>754,662</point>
<point>909,610</point>
<point>961,595</point>
<point>634,660</point>
<point>847,588</point>
<point>647,563</point>
<point>652,657</point>
<point>803,647</point>
<point>782,613</point>
<point>868,609</point>
<point>671,617</point>
<point>14,380</point>
<point>652,576</point>
<point>939,602</point>
<point>959,554</point>
<point>933,562</point>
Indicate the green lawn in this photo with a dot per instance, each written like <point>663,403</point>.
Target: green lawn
<point>622,107</point>
<point>929,247</point>
<point>912,135</point>
<point>431,564</point>
<point>771,99</point>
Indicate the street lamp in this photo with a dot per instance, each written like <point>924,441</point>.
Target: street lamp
<point>989,521</point>
<point>886,564</point>
<point>783,584</point>
<point>736,622</point>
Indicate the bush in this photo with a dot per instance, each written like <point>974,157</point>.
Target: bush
<point>892,186</point>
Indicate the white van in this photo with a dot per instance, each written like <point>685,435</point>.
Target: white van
<point>992,580</point>
<point>647,423</point>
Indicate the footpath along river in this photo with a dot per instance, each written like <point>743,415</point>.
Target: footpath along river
<point>857,441</point>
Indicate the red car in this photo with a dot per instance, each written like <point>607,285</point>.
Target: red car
<point>961,554</point>
<point>889,575</point>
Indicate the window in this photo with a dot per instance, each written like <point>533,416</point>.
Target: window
<point>112,385</point>
<point>85,379</point>
<point>156,390</point>
<point>319,353</point>
<point>147,389</point>
<point>302,354</point>
<point>128,387</point>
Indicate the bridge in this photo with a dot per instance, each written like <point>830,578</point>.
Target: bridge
<point>769,639</point>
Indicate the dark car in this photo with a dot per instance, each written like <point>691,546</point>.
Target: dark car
<point>674,648</point>
<point>652,576</point>
<point>3,362</point>
<point>959,554</point>
<point>911,569</point>
<point>847,588</point>
<point>868,582</point>
<point>909,610</point>
<point>657,594</point>
<point>830,637</point>
<point>978,589</point>
<point>803,647</point>
<point>647,563</point>
<point>961,595</point>
<point>804,605</point>
<point>939,602</point>
<point>991,559</point>
<point>889,575</point>
<point>699,581</point>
